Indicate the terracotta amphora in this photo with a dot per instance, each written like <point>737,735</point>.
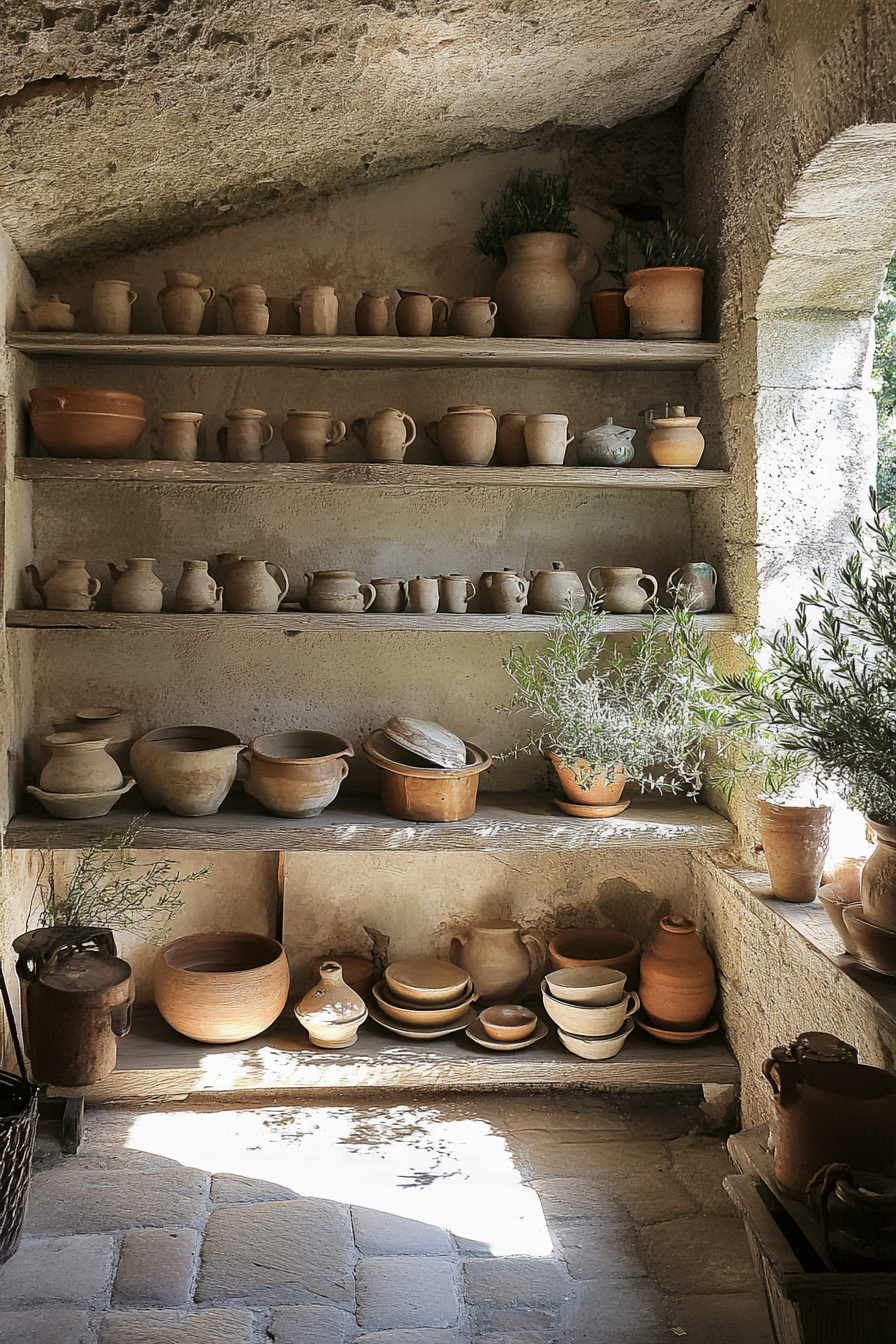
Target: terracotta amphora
<point>386,435</point>
<point>554,590</point>
<point>79,765</point>
<point>136,587</point>
<point>610,313</point>
<point>257,586</point>
<point>465,435</point>
<point>318,310</point>
<point>878,882</point>
<point>50,315</point>
<point>111,306</point>
<point>666,303</point>
<point>795,842</point>
<point>473,317</point>
<point>372,314</point>
<point>455,591</point>
<point>697,582</point>
<point>418,311</point>
<point>856,1211</point>
<point>338,591</point>
<point>248,309</point>
<point>675,440</point>
<point>331,1012</point>
<point>183,302</point>
<point>178,440</point>
<point>678,978</point>
<point>391,595</point>
<point>620,587</point>
<point>547,439</point>
<point>539,292</point>
<point>510,441</point>
<point>245,434</point>
<point>308,435</point>
<point>423,595</point>
<point>70,588</point>
<point>504,591</point>
<point>498,957</point>
<point>196,590</point>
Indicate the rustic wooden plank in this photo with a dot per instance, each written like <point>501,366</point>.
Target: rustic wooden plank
<point>366,352</point>
<point>388,475</point>
<point>502,821</point>
<point>751,1153</point>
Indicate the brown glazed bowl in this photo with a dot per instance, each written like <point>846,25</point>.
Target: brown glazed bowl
<point>221,986</point>
<point>875,946</point>
<point>414,792</point>
<point>597,947</point>
<point>86,421</point>
<point>508,1022</point>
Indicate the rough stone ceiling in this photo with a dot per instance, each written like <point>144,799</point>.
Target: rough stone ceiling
<point>126,123</point>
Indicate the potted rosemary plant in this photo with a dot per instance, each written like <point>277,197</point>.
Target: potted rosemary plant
<point>665,296</point>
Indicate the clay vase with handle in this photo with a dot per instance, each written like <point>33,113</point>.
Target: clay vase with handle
<point>111,306</point>
<point>338,591</point>
<point>465,435</point>
<point>183,303</point>
<point>539,292</point>
<point>308,435</point>
<point>417,312</point>
<point>473,317</point>
<point>386,435</point>
<point>50,315</point>
<point>178,440</point>
<point>697,581</point>
<point>196,591</point>
<point>249,311</point>
<point>318,310</point>
<point>499,958</point>
<point>70,588</point>
<point>678,978</point>
<point>372,315</point>
<point>245,434</point>
<point>621,589</point>
<point>257,586</point>
<point>136,587</point>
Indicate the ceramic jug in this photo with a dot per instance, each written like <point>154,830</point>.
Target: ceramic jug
<point>547,439</point>
<point>70,588</point>
<point>50,315</point>
<point>196,590</point>
<point>698,584</point>
<point>79,765</point>
<point>111,306</point>
<point>308,435</point>
<point>386,435</point>
<point>857,1214</point>
<point>473,317</point>
<point>391,595</point>
<point>620,587</point>
<point>539,292</point>
<point>498,958</point>
<point>510,442</point>
<point>257,586</point>
<point>248,310</point>
<point>178,440</point>
<point>455,591</point>
<point>331,1012</point>
<point>183,302</point>
<point>245,434</point>
<point>136,587</point>
<point>417,311</point>
<point>337,590</point>
<point>318,310</point>
<point>675,440</point>
<point>504,591</point>
<point>607,445</point>
<point>678,979</point>
<point>465,435</point>
<point>423,595</point>
<point>554,590</point>
<point>372,315</point>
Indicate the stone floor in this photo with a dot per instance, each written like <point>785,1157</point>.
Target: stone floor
<point>505,1220</point>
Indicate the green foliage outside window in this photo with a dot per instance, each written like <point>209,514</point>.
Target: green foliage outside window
<point>883,382</point>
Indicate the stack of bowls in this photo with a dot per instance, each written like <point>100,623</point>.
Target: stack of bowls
<point>591,1008</point>
<point>424,995</point>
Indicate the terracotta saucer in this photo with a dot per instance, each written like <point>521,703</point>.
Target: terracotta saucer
<point>587,810</point>
<point>422,1033</point>
<point>478,1035</point>
<point>678,1037</point>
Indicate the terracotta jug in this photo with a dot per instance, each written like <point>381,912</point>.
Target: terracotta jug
<point>79,765</point>
<point>547,439</point>
<point>795,842</point>
<point>178,440</point>
<point>473,317</point>
<point>318,310</point>
<point>417,311</point>
<point>510,442</point>
<point>196,590</point>
<point>607,445</point>
<point>338,591</point>
<point>111,306</point>
<point>257,586</point>
<point>183,302</point>
<point>372,315</point>
<point>697,580</point>
<point>331,1012</point>
<point>678,978</point>
<point>504,591</point>
<point>465,435</point>
<point>539,292</point>
<point>245,434</point>
<point>554,590</point>
<point>423,595</point>
<point>857,1214</point>
<point>498,957</point>
<point>391,595</point>
<point>70,588</point>
<point>308,435</point>
<point>386,435</point>
<point>136,587</point>
<point>675,440</point>
<point>666,303</point>
<point>248,309</point>
<point>50,315</point>
<point>610,313</point>
<point>878,882</point>
<point>621,589</point>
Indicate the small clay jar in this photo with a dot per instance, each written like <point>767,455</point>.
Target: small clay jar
<point>607,445</point>
<point>556,589</point>
<point>136,587</point>
<point>610,313</point>
<point>423,595</point>
<point>331,1012</point>
<point>111,306</point>
<point>256,586</point>
<point>318,310</point>
<point>455,591</point>
<point>795,842</point>
<point>386,435</point>
<point>547,439</point>
<point>473,317</point>
<point>183,303</point>
<point>70,588</point>
<point>77,765</point>
<point>678,979</point>
<point>503,591</point>
<point>196,590</point>
<point>248,309</point>
<point>417,312</point>
<point>308,435</point>
<point>510,441</point>
<point>178,440</point>
<point>697,581</point>
<point>621,589</point>
<point>372,315</point>
<point>391,595</point>
<point>338,591</point>
<point>465,435</point>
<point>245,434</point>
<point>675,440</point>
<point>50,315</point>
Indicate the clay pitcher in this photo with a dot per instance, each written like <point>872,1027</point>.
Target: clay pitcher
<point>386,435</point>
<point>465,435</point>
<point>504,591</point>
<point>196,590</point>
<point>257,586</point>
<point>70,588</point>
<point>556,589</point>
<point>338,591</point>
<point>498,958</point>
<point>111,306</point>
<point>878,882</point>
<point>539,292</point>
<point>248,309</point>
<point>183,302</point>
<point>857,1214</point>
<point>678,979</point>
<point>391,595</point>
<point>318,310</point>
<point>510,442</point>
<point>697,580</point>
<point>245,434</point>
<point>50,315</point>
<point>473,317</point>
<point>137,587</point>
<point>308,435</point>
<point>417,312</point>
<point>795,842</point>
<point>79,765</point>
<point>372,315</point>
<point>547,439</point>
<point>621,589</point>
<point>179,437</point>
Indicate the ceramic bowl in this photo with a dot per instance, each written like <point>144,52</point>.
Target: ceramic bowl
<point>332,1035</point>
<point>508,1022</point>
<point>221,987</point>
<point>73,806</point>
<point>585,1020</point>
<point>428,983</point>
<point>417,1016</point>
<point>876,947</point>
<point>587,984</point>
<point>597,947</point>
<point>834,899</point>
<point>413,791</point>
<point>596,1047</point>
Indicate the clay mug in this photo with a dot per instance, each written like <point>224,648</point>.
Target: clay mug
<point>697,584</point>
<point>178,440</point>
<point>498,957</point>
<point>257,586</point>
<point>423,595</point>
<point>546,439</point>
<point>455,591</point>
<point>510,443</point>
<point>308,435</point>
<point>465,435</point>
<point>506,592</point>
<point>244,435</point>
<point>248,310</point>
<point>473,317</point>
<point>318,310</point>
<point>621,588</point>
<point>69,588</point>
<point>391,595</point>
<point>556,589</point>
<point>416,312</point>
<point>136,587</point>
<point>338,591</point>
<point>111,306</point>
<point>196,590</point>
<point>372,315</point>
<point>183,303</point>
<point>386,435</point>
<point>50,315</point>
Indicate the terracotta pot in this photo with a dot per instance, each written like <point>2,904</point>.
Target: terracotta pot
<point>196,591</point>
<point>510,441</point>
<point>423,595</point>
<point>857,1214</point>
<point>473,317</point>
<point>357,972</point>
<point>675,440</point>
<point>599,792</point>
<point>372,315</point>
<point>539,292</point>
<point>465,435</point>
<point>187,770</point>
<point>183,302</point>
<point>331,1012</point>
<point>610,313</point>
<point>698,581</point>
<point>112,304</point>
<point>878,883</point>
<point>179,437</point>
<point>136,587</point>
<point>504,592</point>
<point>115,726</point>
<point>666,303</point>
<point>556,589</point>
<point>508,1022</point>
<point>296,774</point>
<point>547,439</point>
<point>620,586</point>
<point>257,586</point>
<point>386,435</point>
<point>79,765</point>
<point>873,945</point>
<point>245,434</point>
<point>678,978</point>
<point>597,947</point>
<point>69,588</point>
<point>50,315</point>
<point>248,310</point>
<point>498,958</point>
<point>795,842</point>
<point>318,310</point>
<point>85,422</point>
<point>607,445</point>
<point>338,591</point>
<point>417,312</point>
<point>221,987</point>
<point>308,435</point>
<point>419,793</point>
<point>391,595</point>
<point>455,591</point>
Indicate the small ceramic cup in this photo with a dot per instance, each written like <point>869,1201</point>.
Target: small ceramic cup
<point>423,596</point>
<point>547,439</point>
<point>455,591</point>
<point>178,439</point>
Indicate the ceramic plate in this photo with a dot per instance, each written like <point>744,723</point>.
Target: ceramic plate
<point>476,1033</point>
<point>678,1037</point>
<point>422,1033</point>
<point>587,810</point>
<point>429,740</point>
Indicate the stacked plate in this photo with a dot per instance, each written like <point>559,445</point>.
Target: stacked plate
<point>424,999</point>
<point>592,1011</point>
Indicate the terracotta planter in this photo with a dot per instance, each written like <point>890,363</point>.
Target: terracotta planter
<point>498,957</point>
<point>666,303</point>
<point>416,793</point>
<point>77,765</point>
<point>678,978</point>
<point>296,774</point>
<point>878,883</point>
<point>599,793</point>
<point>795,842</point>
<point>189,770</point>
<point>675,440</point>
<point>610,313</point>
<point>85,422</point>
<point>539,292</point>
<point>597,947</point>
<point>221,987</point>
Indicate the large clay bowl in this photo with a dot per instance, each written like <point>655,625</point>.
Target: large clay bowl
<point>86,421</point>
<point>414,792</point>
<point>875,946</point>
<point>597,947</point>
<point>426,982</point>
<point>297,774</point>
<point>187,770</point>
<point>589,1019</point>
<point>587,984</point>
<point>221,987</point>
<point>421,1017</point>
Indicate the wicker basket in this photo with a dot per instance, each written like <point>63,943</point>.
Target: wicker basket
<point>18,1127</point>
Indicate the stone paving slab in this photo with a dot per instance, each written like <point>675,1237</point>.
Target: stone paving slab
<point>558,1114</point>
<point>228,1189</point>
<point>701,1164</point>
<point>310,1325</point>
<point>515,1281</point>
<point>72,1199</point>
<point>426,1336</point>
<point>736,1318</point>
<point>603,1160</point>
<point>44,1327</point>
<point>565,1197</point>
<point>612,1311</point>
<point>602,1247</point>
<point>665,1114</point>
<point>515,1322</point>
<point>406,1292</point>
<point>699,1255</point>
<point>378,1233</point>
<point>215,1326</point>
<point>155,1268</point>
<point>55,1270</point>
<point>653,1197</point>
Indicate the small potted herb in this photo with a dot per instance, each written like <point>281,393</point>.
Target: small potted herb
<point>665,296</point>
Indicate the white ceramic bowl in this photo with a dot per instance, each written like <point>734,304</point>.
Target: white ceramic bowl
<point>596,1047</point>
<point>584,1020</point>
<point>332,1035</point>
<point>593,985</point>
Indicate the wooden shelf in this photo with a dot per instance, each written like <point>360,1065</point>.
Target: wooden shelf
<point>502,821</point>
<point>395,475</point>
<point>155,1062</point>
<point>366,352</point>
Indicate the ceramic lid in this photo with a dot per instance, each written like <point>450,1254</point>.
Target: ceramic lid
<point>429,740</point>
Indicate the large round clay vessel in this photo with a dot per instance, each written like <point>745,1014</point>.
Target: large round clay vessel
<point>221,987</point>
<point>187,770</point>
<point>77,765</point>
<point>298,773</point>
<point>678,979</point>
<point>539,292</point>
<point>878,883</point>
<point>498,958</point>
<point>795,842</point>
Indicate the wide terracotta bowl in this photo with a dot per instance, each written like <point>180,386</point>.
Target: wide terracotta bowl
<point>596,1047</point>
<point>187,770</point>
<point>426,982</point>
<point>414,1016</point>
<point>875,946</point>
<point>597,947</point>
<point>587,984</point>
<point>296,774</point>
<point>86,421</point>
<point>586,1019</point>
<point>508,1022</point>
<point>414,792</point>
<point>221,987</point>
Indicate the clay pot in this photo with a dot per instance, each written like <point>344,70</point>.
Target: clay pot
<point>417,311</point>
<point>473,317</point>
<point>607,445</point>
<point>248,310</point>
<point>80,806</point>
<point>610,313</point>
<point>308,435</point>
<point>183,302</point>
<point>318,310</point>
<point>554,590</point>
<point>137,587</point>
<point>539,292</point>
<point>498,958</point>
<point>510,441</point>
<point>372,315</point>
<point>455,591</point>
<point>257,586</point>
<point>245,434</point>
<point>179,437</point>
<point>698,583</point>
<point>423,595</point>
<point>391,595</point>
<point>386,435</point>
<point>111,306</point>
<point>77,765</point>
<point>873,945</point>
<point>196,591</point>
<point>620,587</point>
<point>69,588</point>
<point>422,793</point>
<point>600,792</point>
<point>113,725</point>
<point>412,1015</point>
<point>795,842</point>
<point>427,983</point>
<point>188,770</point>
<point>878,884</point>
<point>508,1022</point>
<point>338,591</point>
<point>221,987</point>
<point>678,978</point>
<point>675,441</point>
<point>857,1214</point>
<point>357,972</point>
<point>597,947</point>
<point>547,439</point>
<point>296,774</point>
<point>666,303</point>
<point>85,422</point>
<point>331,1012</point>
<point>50,315</point>
<point>504,591</point>
<point>465,435</point>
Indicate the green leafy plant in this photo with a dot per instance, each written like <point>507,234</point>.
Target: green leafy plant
<point>883,384</point>
<point>534,202</point>
<point>617,252</point>
<point>670,245</point>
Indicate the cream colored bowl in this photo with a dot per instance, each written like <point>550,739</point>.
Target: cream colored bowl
<point>427,983</point>
<point>416,1015</point>
<point>594,985</point>
<point>584,1020</point>
<point>596,1047</point>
